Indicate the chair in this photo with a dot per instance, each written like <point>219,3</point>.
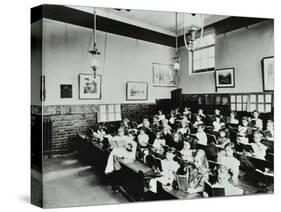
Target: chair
<point>211,138</point>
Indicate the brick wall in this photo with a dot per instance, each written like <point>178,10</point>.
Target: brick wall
<point>136,112</point>
<point>65,123</point>
<point>65,127</point>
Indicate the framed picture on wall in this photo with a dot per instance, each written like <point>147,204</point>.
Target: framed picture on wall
<point>268,73</point>
<point>164,75</point>
<point>89,86</point>
<point>225,78</point>
<point>65,91</point>
<point>136,91</point>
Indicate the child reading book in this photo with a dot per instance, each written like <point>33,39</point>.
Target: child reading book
<point>224,180</point>
<point>198,173</point>
<point>227,159</point>
<point>126,148</point>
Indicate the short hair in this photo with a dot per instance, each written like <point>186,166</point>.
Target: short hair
<point>258,132</point>
<point>256,111</point>
<point>234,112</point>
<point>244,118</point>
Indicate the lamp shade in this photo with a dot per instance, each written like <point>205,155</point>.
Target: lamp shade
<point>95,62</point>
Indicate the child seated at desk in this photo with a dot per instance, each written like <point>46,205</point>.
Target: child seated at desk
<point>145,123</point>
<point>169,168</point>
<point>143,138</point>
<point>184,129</point>
<point>100,134</point>
<point>217,124</point>
<point>201,135</point>
<point>176,142</point>
<point>160,115</point>
<point>201,113</point>
<point>224,179</point>
<point>198,121</point>
<point>119,140</point>
<point>258,147</point>
<point>198,173</point>
<point>186,152</point>
<point>227,159</point>
<point>256,122</point>
<point>159,142</point>
<point>125,149</point>
<point>232,119</point>
<point>155,125</point>
<point>244,131</point>
<point>269,132</point>
<point>172,118</point>
<point>223,138</point>
<point>165,124</point>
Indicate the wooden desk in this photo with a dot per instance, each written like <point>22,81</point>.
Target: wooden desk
<point>133,179</point>
<point>168,193</point>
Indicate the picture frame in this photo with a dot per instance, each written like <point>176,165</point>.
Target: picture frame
<point>136,90</point>
<point>267,64</point>
<point>89,86</point>
<point>65,91</point>
<point>225,78</point>
<point>164,75</point>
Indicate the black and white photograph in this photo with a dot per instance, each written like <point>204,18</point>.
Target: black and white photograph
<point>65,91</point>
<point>225,78</point>
<point>136,91</point>
<point>89,86</point>
<point>146,105</point>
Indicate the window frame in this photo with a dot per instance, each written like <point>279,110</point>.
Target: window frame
<point>205,70</point>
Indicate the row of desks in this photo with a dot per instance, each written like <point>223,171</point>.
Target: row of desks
<point>134,175</point>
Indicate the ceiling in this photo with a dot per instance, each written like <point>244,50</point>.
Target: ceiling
<point>164,22</point>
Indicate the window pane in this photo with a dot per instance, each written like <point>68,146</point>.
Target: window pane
<point>196,55</point>
<point>204,54</point>
<point>204,63</point>
<point>196,65</point>
<point>211,62</point>
<point>211,51</point>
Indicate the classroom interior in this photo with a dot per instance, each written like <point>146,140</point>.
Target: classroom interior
<point>118,130</point>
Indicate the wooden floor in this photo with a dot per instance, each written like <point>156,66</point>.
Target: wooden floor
<point>67,183</point>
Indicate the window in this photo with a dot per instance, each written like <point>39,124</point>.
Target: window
<point>203,56</point>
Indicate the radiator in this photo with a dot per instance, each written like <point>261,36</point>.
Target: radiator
<point>47,137</point>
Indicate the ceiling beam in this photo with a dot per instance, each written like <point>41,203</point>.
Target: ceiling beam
<point>84,19</point>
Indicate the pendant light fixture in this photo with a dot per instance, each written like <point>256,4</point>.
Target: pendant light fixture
<point>177,58</point>
<point>196,22</point>
<point>95,64</point>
